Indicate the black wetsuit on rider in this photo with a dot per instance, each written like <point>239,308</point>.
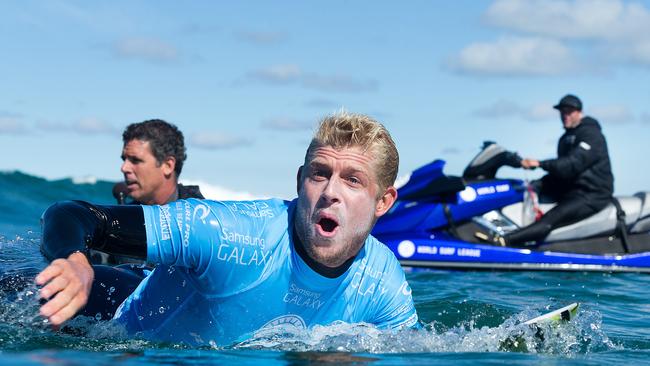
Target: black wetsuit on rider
<point>580,180</point>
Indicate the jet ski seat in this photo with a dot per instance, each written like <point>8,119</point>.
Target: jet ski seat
<point>602,222</point>
<point>643,223</point>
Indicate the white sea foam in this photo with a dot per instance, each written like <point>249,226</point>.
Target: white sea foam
<point>88,179</point>
<point>582,335</point>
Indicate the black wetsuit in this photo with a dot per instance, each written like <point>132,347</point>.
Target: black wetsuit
<point>184,192</point>
<point>120,193</point>
<point>580,180</point>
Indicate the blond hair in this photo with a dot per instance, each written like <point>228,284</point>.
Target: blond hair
<point>345,130</point>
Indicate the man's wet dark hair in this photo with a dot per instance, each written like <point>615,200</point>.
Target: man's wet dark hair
<point>165,139</point>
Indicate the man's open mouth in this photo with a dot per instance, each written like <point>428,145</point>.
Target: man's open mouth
<point>327,226</point>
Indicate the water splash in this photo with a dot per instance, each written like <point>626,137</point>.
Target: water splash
<point>22,328</point>
<point>582,335</point>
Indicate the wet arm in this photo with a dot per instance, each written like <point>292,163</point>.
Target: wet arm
<point>69,230</point>
<point>76,226</point>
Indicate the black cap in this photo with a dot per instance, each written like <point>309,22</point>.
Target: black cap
<point>569,101</point>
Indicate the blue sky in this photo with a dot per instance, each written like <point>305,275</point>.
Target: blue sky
<point>247,81</point>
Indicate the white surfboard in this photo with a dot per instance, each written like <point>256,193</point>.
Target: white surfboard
<point>517,343</point>
<point>563,314</point>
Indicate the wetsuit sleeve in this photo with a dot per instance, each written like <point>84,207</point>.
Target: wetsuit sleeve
<point>72,226</point>
<point>588,148</point>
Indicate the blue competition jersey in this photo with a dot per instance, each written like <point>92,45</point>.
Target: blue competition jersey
<point>228,269</point>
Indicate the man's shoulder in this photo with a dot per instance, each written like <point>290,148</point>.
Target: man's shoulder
<point>588,123</point>
<point>378,253</point>
<point>378,246</point>
<point>185,192</point>
<point>253,209</point>
<point>589,129</point>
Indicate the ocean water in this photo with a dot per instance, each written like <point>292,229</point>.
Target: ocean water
<point>468,316</point>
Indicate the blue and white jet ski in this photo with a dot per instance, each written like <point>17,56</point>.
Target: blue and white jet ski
<point>437,217</point>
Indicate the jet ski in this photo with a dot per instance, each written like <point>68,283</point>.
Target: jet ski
<point>439,221</point>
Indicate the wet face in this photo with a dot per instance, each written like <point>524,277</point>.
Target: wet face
<point>338,203</point>
<point>570,117</point>
<point>143,175</point>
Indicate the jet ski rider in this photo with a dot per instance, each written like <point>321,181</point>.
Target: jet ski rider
<point>580,179</point>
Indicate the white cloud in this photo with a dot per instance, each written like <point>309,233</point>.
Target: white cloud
<point>92,125</point>
<point>621,30</point>
<point>217,141</point>
<point>541,112</point>
<point>278,74</point>
<point>499,109</point>
<point>52,126</point>
<point>11,126</point>
<point>292,74</point>
<point>503,109</point>
<point>321,103</point>
<point>515,56</point>
<point>87,125</point>
<point>611,114</point>
<point>147,49</point>
<point>580,19</point>
<point>287,124</point>
<point>338,83</point>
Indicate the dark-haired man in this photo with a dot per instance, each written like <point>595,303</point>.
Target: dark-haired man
<point>580,179</point>
<point>153,155</point>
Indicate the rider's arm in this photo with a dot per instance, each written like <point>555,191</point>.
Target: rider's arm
<point>589,148</point>
<point>76,226</point>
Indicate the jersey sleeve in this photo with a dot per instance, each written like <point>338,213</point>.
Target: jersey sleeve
<point>224,246</point>
<point>396,309</point>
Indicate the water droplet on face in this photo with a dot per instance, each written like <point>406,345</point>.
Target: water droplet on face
<point>111,290</point>
<point>161,310</point>
<point>98,316</point>
<point>140,317</point>
<point>183,283</point>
